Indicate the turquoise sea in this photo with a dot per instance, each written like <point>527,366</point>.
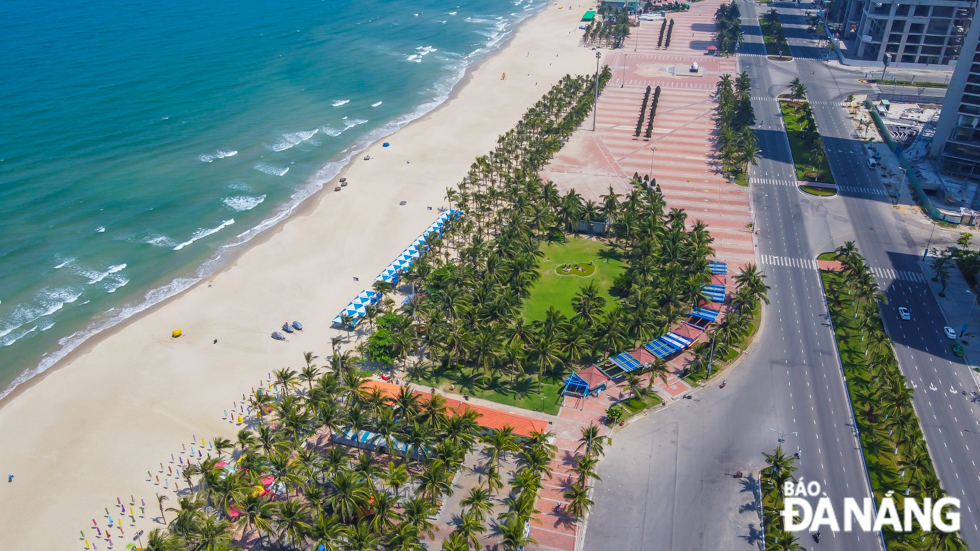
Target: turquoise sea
<point>143,143</point>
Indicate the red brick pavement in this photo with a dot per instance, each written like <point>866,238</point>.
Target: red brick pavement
<point>685,163</point>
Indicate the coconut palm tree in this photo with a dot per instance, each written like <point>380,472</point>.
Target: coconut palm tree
<point>591,441</point>
<point>578,501</point>
<point>417,513</point>
<point>513,536</point>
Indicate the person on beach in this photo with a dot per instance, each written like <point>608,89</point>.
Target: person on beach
<point>10,478</point>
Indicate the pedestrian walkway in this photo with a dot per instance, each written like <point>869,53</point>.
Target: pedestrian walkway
<point>888,273</point>
<point>772,182</point>
<point>806,263</point>
<point>863,190</point>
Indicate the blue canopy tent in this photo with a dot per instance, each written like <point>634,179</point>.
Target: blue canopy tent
<point>714,292</point>
<point>705,313</point>
<point>718,268</point>
<point>585,382</point>
<point>661,348</point>
<point>627,362</point>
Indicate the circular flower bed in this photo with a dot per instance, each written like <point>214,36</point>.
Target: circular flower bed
<point>583,270</point>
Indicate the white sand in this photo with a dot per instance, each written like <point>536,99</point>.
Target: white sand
<point>89,431</point>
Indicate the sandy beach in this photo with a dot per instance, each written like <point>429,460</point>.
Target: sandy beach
<point>88,432</point>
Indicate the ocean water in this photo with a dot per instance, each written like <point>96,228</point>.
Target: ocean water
<point>142,143</point>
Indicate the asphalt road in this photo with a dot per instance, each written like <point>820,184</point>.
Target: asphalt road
<point>667,480</point>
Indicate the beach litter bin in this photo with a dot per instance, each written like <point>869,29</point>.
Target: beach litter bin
<point>176,333</point>
<point>384,144</point>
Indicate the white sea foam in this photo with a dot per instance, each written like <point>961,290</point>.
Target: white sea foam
<point>376,104</point>
<point>100,229</point>
<point>452,13</point>
<point>269,169</point>
<point>243,202</point>
<point>422,51</point>
<point>204,232</point>
<point>160,241</point>
<point>46,325</point>
<point>328,172</point>
<point>95,277</point>
<point>339,102</point>
<point>64,263</point>
<point>55,299</point>
<point>46,302</point>
<point>210,157</point>
<point>116,283</point>
<point>288,141</point>
<point>348,124</point>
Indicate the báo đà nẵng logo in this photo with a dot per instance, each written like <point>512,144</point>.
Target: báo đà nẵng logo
<point>859,514</point>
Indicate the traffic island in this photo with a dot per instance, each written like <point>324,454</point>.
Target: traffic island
<point>805,143</point>
<point>817,189</point>
<point>895,455</point>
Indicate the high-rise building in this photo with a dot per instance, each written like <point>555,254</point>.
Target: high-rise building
<point>907,31</point>
<point>956,145</point>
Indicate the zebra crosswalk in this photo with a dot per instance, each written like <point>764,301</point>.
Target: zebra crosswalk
<point>806,263</point>
<point>672,84</point>
<point>903,275</point>
<point>767,98</point>
<point>862,190</point>
<point>772,181</point>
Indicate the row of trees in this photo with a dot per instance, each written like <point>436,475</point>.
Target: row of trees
<point>653,113</point>
<point>663,29</point>
<point>772,30</point>
<point>812,141</point>
<point>670,31</point>
<point>612,30</point>
<point>737,143</point>
<point>326,496</point>
<point>728,28</point>
<point>643,112</point>
<point>887,423</point>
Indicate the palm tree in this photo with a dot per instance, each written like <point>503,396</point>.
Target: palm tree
<point>361,537</point>
<point>349,495</point>
<point>417,512</point>
<point>797,89</point>
<point>469,525</point>
<point>591,441</point>
<point>159,540</point>
<point>435,480</point>
<point>499,442</point>
<point>326,532</point>
<point>212,535</point>
<point>578,501</point>
<point>221,444</point>
<point>478,502</point>
<point>385,516</point>
<point>456,542</point>
<point>513,537</point>
<point>396,476</point>
<point>783,541</point>
<point>160,500</point>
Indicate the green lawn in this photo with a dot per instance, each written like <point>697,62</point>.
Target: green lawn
<point>556,289</point>
<point>634,406</point>
<point>771,48</point>
<point>800,152</point>
<point>909,83</point>
<point>523,394</point>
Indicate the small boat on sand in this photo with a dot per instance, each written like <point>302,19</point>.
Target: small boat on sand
<point>278,336</point>
<point>297,326</point>
<point>287,328</point>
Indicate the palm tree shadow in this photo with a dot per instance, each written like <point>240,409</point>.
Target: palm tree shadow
<point>752,485</point>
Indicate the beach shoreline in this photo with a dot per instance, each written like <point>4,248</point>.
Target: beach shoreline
<point>79,434</point>
<point>303,207</point>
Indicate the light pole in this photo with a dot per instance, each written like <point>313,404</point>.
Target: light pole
<point>653,153</point>
<point>901,187</point>
<point>973,302</point>
<point>595,102</point>
<point>711,356</point>
<point>926,252</point>
<point>782,435</point>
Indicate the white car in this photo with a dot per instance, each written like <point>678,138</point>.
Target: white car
<point>950,332</point>
<point>904,313</point>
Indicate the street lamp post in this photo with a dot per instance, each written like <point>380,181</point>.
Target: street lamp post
<point>595,102</point>
<point>973,302</point>
<point>901,187</point>
<point>711,356</point>
<point>653,153</point>
<point>926,252</point>
<point>782,435</point>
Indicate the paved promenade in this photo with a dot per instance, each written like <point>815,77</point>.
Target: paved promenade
<point>681,153</point>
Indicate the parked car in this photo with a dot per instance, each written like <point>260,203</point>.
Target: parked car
<point>958,349</point>
<point>950,332</point>
<point>904,313</point>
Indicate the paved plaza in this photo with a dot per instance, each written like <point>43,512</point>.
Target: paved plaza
<point>681,152</point>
